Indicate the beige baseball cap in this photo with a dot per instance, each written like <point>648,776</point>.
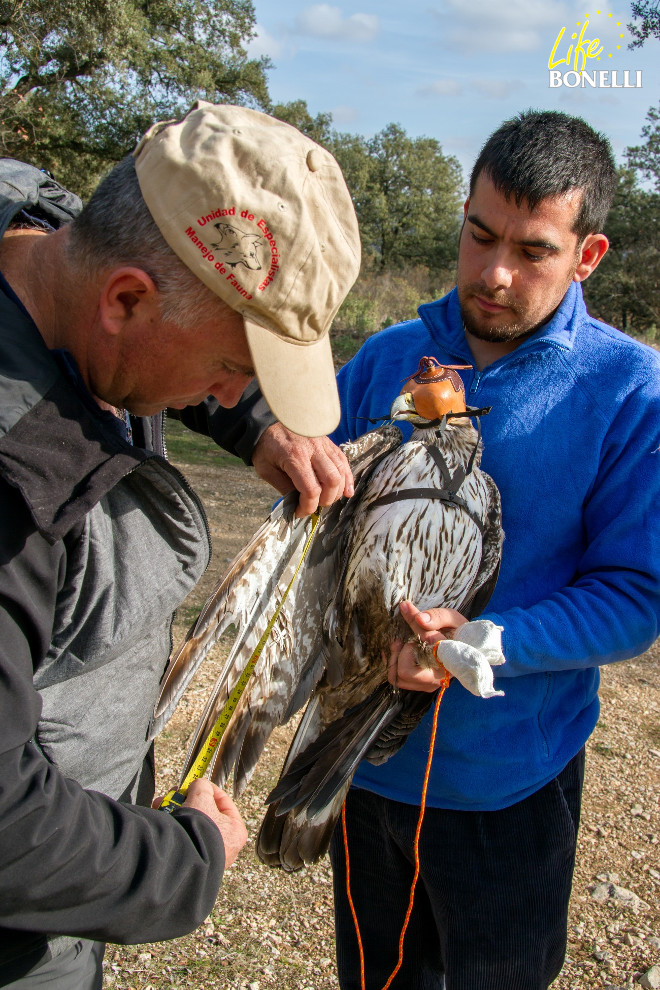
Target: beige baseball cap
<point>262,215</point>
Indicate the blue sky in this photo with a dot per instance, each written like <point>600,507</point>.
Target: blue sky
<point>454,69</point>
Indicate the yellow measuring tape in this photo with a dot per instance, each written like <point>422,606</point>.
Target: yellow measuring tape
<point>174,799</point>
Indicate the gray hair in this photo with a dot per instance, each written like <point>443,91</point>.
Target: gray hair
<point>116,228</point>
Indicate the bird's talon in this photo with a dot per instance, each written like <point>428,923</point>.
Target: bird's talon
<point>423,652</point>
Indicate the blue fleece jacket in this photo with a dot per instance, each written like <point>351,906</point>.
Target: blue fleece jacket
<point>572,443</point>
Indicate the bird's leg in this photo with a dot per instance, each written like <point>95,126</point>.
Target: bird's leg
<point>423,653</point>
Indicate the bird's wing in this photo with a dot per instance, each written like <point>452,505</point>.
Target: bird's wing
<point>491,554</point>
<point>241,594</point>
<point>248,596</point>
<point>434,552</point>
<point>364,455</point>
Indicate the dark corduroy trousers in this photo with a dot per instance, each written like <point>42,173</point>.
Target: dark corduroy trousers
<point>491,904</point>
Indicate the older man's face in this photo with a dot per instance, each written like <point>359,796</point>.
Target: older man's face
<point>514,265</point>
<point>176,367</point>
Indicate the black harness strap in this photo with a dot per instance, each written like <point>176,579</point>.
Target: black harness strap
<point>451,482</point>
<point>440,494</point>
<point>468,414</point>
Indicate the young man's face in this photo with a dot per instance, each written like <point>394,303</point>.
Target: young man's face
<point>514,265</point>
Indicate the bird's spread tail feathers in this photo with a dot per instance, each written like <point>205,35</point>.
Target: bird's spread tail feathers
<point>305,804</point>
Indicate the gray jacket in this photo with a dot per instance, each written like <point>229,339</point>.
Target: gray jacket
<point>99,542</point>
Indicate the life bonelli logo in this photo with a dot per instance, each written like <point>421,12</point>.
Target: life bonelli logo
<point>588,56</point>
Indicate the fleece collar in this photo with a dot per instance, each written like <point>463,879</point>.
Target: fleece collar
<point>442,318</point>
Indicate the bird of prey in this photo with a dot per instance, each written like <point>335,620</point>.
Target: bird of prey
<point>424,525</point>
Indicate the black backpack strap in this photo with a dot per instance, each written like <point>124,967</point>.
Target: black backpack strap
<point>34,193</point>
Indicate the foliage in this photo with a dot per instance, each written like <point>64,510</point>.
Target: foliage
<point>357,314</point>
<point>646,157</point>
<point>648,12</point>
<point>623,290</point>
<point>406,192</point>
<point>317,128</point>
<point>380,299</point>
<point>81,80</point>
<point>407,196</point>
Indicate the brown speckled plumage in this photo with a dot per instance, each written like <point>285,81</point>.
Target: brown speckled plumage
<point>340,616</point>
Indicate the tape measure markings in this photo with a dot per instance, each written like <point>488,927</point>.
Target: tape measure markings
<point>174,799</point>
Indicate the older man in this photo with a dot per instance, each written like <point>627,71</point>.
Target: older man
<point>222,247</point>
<point>572,442</point>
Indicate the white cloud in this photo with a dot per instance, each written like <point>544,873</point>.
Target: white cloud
<point>264,44</point>
<point>342,115</point>
<point>474,26</point>
<point>497,89</point>
<point>586,99</point>
<point>323,21</point>
<point>441,87</point>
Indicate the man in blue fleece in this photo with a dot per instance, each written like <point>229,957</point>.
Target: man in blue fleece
<point>572,443</point>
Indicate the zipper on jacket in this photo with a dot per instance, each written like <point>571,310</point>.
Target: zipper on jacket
<point>475,381</point>
<point>512,355</point>
<point>162,426</point>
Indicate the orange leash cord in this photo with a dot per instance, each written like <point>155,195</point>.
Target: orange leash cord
<point>443,687</point>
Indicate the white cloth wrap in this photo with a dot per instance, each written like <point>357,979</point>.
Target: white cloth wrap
<point>470,655</point>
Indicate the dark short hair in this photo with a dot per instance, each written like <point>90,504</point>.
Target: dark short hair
<point>546,153</point>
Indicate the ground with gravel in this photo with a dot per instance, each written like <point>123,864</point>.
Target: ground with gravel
<point>274,930</point>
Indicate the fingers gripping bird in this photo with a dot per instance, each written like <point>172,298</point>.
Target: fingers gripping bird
<point>424,525</point>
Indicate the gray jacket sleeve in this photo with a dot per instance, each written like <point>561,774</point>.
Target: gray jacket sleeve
<point>74,861</point>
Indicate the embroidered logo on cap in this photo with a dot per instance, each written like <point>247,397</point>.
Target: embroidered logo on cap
<point>234,246</point>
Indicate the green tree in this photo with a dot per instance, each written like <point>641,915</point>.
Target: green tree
<point>646,157</point>
<point>407,193</point>
<point>648,13</point>
<point>407,196</point>
<point>81,80</point>
<point>297,113</point>
<point>623,290</point>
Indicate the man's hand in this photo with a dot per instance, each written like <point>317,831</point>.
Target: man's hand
<point>314,466</point>
<point>214,802</point>
<point>429,627</point>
